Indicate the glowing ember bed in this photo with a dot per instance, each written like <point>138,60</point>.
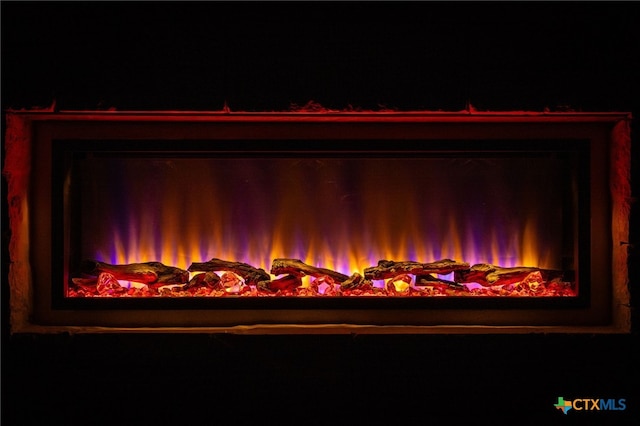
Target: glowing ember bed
<point>409,278</point>
<point>420,221</point>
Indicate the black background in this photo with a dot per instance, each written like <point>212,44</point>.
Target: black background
<point>267,56</point>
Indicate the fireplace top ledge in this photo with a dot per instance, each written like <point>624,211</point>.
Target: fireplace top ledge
<point>462,116</point>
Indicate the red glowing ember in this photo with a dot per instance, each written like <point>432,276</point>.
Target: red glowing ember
<point>294,278</point>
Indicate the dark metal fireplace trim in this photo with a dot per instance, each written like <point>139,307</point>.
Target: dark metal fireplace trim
<point>28,142</point>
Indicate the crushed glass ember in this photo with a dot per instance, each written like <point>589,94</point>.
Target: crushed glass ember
<point>232,285</point>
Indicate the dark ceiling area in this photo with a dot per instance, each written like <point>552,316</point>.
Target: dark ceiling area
<point>351,56</point>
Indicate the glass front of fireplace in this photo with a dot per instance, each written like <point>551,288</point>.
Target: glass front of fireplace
<point>268,220</point>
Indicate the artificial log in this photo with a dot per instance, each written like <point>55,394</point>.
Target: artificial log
<point>88,284</point>
<point>492,275</point>
<point>288,282</point>
<point>427,280</point>
<point>354,281</point>
<point>249,274</point>
<point>299,268</point>
<point>154,274</point>
<point>389,269</point>
<point>208,279</point>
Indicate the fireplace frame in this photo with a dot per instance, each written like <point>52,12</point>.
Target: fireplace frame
<point>29,138</point>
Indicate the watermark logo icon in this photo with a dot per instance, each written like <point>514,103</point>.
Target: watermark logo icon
<point>563,405</point>
<point>590,404</point>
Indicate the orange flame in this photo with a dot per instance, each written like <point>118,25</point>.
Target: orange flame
<point>342,214</point>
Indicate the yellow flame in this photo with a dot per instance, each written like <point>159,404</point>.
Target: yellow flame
<point>345,231</point>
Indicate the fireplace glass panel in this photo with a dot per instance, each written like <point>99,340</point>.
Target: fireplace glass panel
<point>332,211</point>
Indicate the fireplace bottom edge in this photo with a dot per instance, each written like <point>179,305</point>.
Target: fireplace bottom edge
<point>337,328</point>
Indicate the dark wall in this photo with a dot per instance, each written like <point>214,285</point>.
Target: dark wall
<point>365,55</point>
<point>275,56</point>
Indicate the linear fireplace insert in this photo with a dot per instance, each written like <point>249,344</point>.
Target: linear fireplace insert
<point>325,221</point>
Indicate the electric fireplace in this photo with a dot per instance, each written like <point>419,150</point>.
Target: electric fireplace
<point>318,221</point>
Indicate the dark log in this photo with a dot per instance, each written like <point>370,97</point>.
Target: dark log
<point>209,279</point>
<point>389,268</point>
<point>491,275</point>
<point>425,280</point>
<point>88,284</point>
<point>356,280</point>
<point>299,268</point>
<point>288,282</point>
<point>250,274</point>
<point>151,273</point>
